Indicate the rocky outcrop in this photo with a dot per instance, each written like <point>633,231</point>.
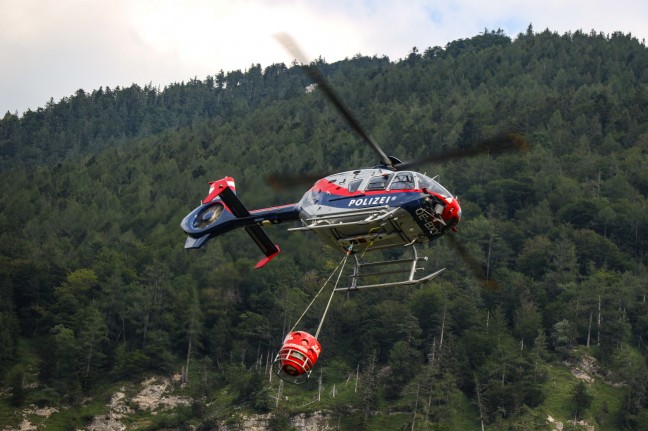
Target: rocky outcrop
<point>557,425</point>
<point>317,421</point>
<point>153,395</point>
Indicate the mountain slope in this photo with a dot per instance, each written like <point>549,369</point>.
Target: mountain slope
<point>95,280</point>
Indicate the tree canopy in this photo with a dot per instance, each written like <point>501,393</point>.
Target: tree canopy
<point>93,270</point>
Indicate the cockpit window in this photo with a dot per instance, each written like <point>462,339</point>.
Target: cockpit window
<point>403,181</point>
<point>426,182</point>
<point>353,185</point>
<point>378,182</point>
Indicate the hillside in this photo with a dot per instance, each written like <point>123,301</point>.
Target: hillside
<point>97,292</point>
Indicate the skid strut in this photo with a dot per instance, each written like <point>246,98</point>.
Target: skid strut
<point>407,266</point>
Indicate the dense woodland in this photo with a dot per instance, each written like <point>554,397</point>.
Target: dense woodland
<point>96,288</point>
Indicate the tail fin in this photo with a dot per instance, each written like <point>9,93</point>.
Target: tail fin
<point>220,212</point>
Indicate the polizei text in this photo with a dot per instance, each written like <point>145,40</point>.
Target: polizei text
<point>376,200</point>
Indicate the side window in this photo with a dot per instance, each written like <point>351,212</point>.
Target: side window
<point>353,185</point>
<point>378,183</point>
<point>403,181</point>
<point>424,182</point>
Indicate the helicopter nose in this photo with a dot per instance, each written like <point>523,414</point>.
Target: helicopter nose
<point>452,212</point>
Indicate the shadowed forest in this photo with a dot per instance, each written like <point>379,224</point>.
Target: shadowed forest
<point>96,288</point>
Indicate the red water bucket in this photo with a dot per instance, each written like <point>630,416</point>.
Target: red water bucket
<point>299,353</point>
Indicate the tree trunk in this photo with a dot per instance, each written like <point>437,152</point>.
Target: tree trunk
<point>598,327</point>
<point>319,387</point>
<point>279,392</point>
<point>442,325</point>
<point>479,402</point>
<point>185,377</point>
<point>589,329</point>
<point>418,387</point>
<point>488,256</point>
<point>355,388</point>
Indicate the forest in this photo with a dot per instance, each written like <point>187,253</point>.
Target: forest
<point>96,288</point>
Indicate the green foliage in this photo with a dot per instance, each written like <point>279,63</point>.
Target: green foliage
<point>175,419</point>
<point>563,337</point>
<point>581,399</point>
<point>92,268</point>
<point>404,363</point>
<point>16,382</point>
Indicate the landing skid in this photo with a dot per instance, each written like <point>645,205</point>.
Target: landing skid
<point>407,266</point>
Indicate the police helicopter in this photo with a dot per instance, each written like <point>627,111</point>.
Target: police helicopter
<point>366,209</point>
<point>387,206</point>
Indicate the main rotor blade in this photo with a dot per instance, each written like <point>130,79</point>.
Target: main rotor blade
<point>499,144</point>
<point>495,145</point>
<point>281,182</point>
<point>478,268</point>
<point>322,83</point>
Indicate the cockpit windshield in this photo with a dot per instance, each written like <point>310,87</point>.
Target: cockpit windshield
<point>426,182</point>
<point>402,181</point>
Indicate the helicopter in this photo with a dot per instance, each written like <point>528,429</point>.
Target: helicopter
<point>386,206</point>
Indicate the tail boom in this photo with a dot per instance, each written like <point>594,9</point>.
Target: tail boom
<point>222,211</point>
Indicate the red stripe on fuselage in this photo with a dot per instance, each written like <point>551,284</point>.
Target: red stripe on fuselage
<point>326,186</point>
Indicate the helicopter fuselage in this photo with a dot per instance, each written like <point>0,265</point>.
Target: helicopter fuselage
<point>377,208</point>
<point>368,209</point>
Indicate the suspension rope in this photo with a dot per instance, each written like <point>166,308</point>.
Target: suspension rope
<point>346,256</point>
<point>343,261</point>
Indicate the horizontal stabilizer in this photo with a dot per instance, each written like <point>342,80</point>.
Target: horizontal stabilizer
<point>268,258</point>
<point>192,242</point>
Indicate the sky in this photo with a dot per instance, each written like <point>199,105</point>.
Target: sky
<point>49,49</point>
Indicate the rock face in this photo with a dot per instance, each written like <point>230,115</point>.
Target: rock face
<point>585,369</point>
<point>557,425</point>
<point>315,422</point>
<point>26,424</point>
<point>112,420</point>
<point>153,396</point>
